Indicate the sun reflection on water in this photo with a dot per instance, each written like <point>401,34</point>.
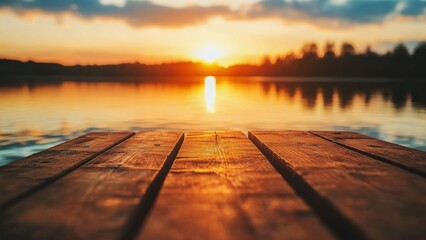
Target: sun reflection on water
<point>210,93</point>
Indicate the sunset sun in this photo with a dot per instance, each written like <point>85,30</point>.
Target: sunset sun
<point>210,53</point>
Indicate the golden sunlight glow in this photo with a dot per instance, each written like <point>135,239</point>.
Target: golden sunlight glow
<point>210,93</point>
<point>210,53</point>
<point>79,42</point>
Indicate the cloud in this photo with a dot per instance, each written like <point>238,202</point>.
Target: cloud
<point>135,13</point>
<point>145,13</point>
<point>344,11</point>
<point>413,7</point>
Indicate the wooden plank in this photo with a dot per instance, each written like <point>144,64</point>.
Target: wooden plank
<point>100,200</point>
<point>23,177</point>
<point>380,200</point>
<point>407,158</point>
<point>221,187</point>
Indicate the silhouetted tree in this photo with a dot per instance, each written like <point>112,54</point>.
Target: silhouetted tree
<point>290,57</point>
<point>347,49</point>
<point>310,51</point>
<point>420,51</point>
<point>370,53</point>
<point>329,50</point>
<point>266,61</point>
<point>400,51</point>
<point>267,66</point>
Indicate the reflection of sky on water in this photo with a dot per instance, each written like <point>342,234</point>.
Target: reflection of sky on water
<point>34,117</point>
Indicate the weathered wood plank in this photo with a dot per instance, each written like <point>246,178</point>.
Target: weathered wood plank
<point>407,158</point>
<point>100,200</point>
<point>382,201</point>
<point>23,177</point>
<point>221,187</point>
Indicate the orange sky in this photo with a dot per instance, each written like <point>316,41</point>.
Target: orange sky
<point>114,31</point>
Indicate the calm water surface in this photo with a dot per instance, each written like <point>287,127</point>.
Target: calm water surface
<point>35,116</point>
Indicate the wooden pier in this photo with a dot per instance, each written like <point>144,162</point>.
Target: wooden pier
<point>216,185</point>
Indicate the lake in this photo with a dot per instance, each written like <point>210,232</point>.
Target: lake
<point>38,114</point>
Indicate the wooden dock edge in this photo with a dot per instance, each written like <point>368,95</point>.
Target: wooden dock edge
<point>329,208</point>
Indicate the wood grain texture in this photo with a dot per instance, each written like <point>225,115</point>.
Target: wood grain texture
<point>221,187</point>
<point>407,158</point>
<point>96,200</point>
<point>382,201</point>
<point>29,174</point>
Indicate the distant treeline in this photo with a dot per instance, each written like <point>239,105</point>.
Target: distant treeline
<point>398,63</point>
